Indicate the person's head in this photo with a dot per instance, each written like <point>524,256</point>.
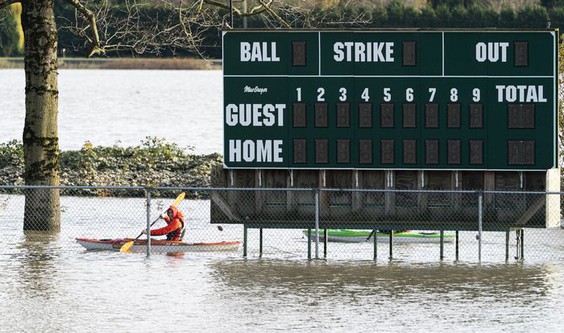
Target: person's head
<point>170,212</point>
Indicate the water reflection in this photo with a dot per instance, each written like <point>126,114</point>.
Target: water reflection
<point>394,281</point>
<point>340,296</point>
<point>342,277</point>
<point>37,271</point>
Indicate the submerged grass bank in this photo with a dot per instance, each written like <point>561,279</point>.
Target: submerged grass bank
<point>154,162</point>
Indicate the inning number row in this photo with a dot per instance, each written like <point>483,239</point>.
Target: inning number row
<point>386,94</point>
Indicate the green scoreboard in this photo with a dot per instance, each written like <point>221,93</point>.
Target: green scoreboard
<point>407,99</point>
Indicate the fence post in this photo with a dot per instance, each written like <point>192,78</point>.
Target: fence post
<point>522,244</point>
<point>245,241</point>
<point>148,191</point>
<point>375,240</point>
<point>480,209</point>
<point>507,245</point>
<point>391,245</point>
<point>325,241</point>
<point>520,234</point>
<point>456,247</point>
<point>260,243</point>
<point>309,243</point>
<point>317,223</point>
<point>442,246</point>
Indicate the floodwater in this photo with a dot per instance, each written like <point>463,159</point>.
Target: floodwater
<point>102,292</point>
<point>49,283</point>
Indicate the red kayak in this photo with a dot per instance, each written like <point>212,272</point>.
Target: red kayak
<point>156,245</point>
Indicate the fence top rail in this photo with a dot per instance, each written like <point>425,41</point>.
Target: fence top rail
<point>328,189</point>
<point>71,187</point>
<point>286,189</point>
<point>439,191</point>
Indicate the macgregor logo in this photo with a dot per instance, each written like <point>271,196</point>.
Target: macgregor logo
<point>255,90</point>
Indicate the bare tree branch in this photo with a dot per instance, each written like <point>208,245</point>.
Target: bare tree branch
<point>187,29</point>
<point>170,26</point>
<point>259,9</point>
<point>273,14</point>
<point>95,48</point>
<point>132,25</point>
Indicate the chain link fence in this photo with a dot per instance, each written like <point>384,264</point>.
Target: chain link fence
<point>292,223</point>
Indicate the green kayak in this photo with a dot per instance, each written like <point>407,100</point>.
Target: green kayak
<point>358,236</point>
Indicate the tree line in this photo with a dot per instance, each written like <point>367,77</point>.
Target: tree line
<point>320,14</point>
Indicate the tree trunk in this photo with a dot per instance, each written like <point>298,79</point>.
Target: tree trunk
<point>40,135</point>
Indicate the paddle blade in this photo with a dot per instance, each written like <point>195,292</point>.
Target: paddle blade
<point>178,199</point>
<point>125,247</point>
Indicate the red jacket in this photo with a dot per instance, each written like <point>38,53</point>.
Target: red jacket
<point>174,228</point>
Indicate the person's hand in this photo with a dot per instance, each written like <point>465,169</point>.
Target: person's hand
<point>144,231</point>
<point>163,215</point>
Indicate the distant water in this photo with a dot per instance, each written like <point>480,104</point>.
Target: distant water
<point>123,107</point>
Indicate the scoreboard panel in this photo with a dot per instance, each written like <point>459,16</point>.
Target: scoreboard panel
<point>456,100</point>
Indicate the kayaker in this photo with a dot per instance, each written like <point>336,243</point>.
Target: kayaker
<point>175,225</point>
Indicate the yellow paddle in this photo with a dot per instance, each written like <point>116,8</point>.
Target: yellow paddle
<point>125,247</point>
